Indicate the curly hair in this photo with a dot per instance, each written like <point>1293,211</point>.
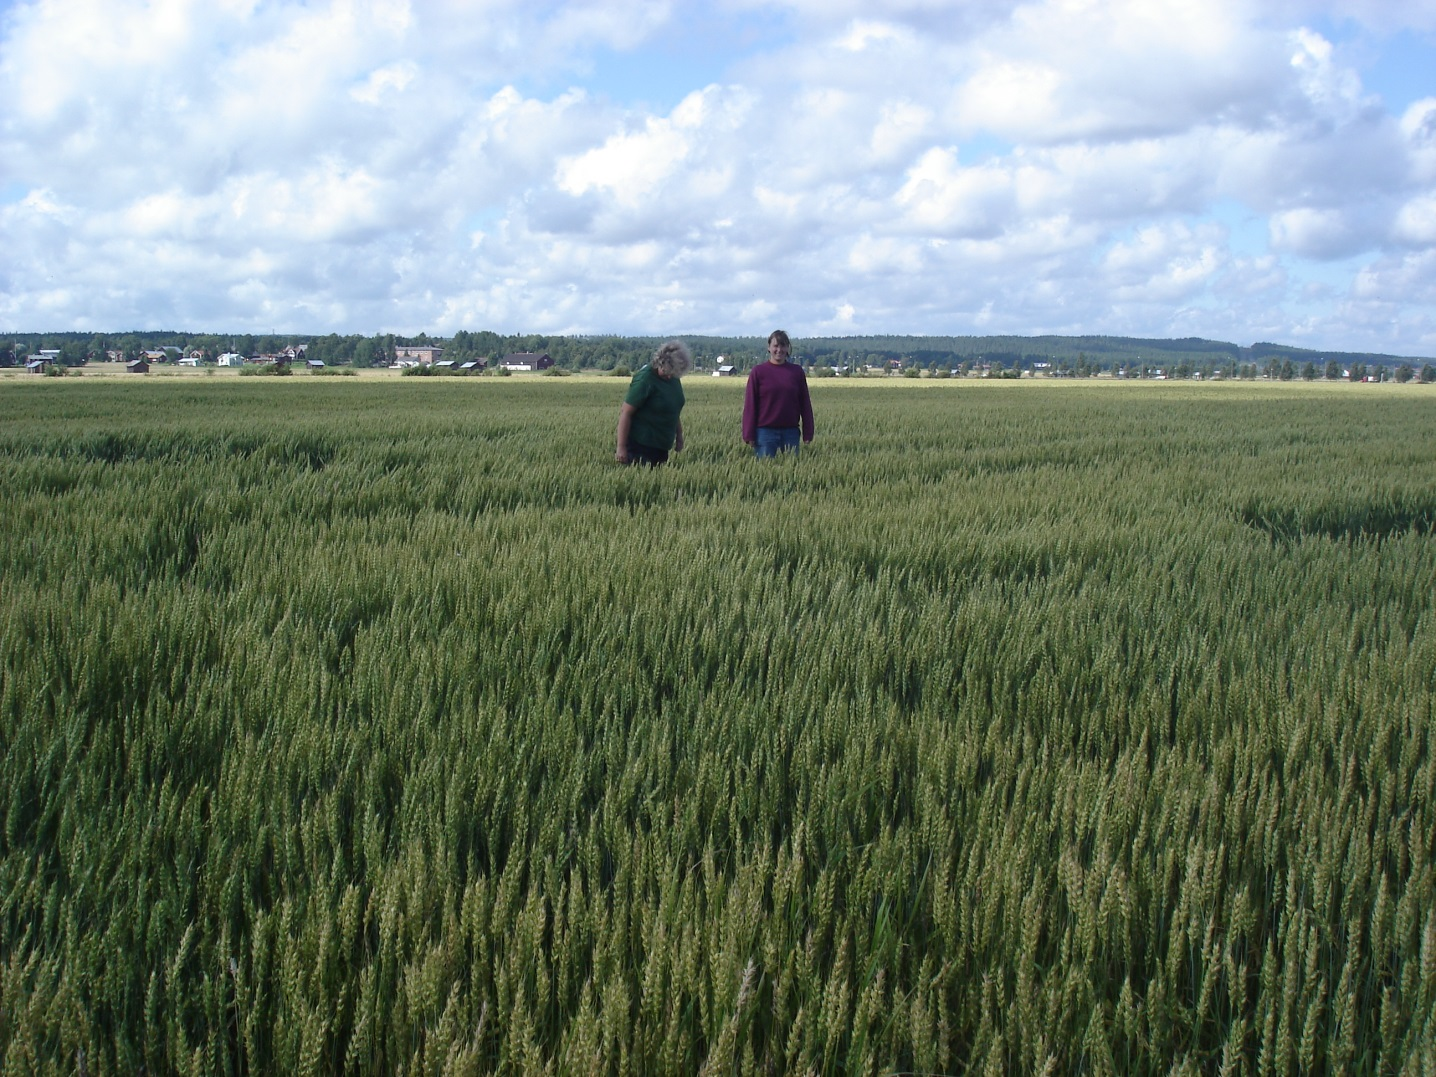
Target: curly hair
<point>672,359</point>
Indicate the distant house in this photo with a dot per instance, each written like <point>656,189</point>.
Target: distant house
<point>727,370</point>
<point>444,364</point>
<point>137,366</point>
<point>527,361</point>
<point>423,353</point>
<point>473,364</point>
<point>314,364</point>
<point>230,359</point>
<point>190,360</point>
<point>36,366</point>
<point>154,357</point>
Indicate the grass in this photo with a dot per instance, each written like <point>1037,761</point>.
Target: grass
<point>375,725</point>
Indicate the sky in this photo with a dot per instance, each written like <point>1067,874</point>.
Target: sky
<point>1241,170</point>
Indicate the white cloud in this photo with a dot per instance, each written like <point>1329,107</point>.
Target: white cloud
<point>1384,16</point>
<point>629,165</point>
<point>863,33</point>
<point>1334,90</point>
<point>1312,233</point>
<point>943,198</point>
<point>1416,223</point>
<point>1418,128</point>
<point>1163,264</point>
<point>871,255</point>
<point>390,78</point>
<point>1072,69</point>
<point>1398,280</point>
<point>1016,98</point>
<point>620,24</point>
<point>919,166</point>
<point>842,319</point>
<point>900,127</point>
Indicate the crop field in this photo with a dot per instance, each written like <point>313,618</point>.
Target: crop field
<point>388,726</point>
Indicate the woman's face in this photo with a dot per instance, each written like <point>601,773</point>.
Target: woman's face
<point>777,353</point>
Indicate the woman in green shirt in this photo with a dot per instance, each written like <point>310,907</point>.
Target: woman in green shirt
<point>649,423</point>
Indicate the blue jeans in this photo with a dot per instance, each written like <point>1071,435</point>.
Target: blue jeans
<point>772,440</point>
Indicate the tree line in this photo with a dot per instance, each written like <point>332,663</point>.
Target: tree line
<point>1073,356</point>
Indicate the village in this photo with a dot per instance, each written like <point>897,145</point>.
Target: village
<point>1025,358</point>
<point>426,359</point>
<point>406,357</point>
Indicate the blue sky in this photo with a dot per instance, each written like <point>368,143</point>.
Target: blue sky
<point>1237,169</point>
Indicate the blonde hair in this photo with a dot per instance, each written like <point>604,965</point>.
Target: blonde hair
<point>673,359</point>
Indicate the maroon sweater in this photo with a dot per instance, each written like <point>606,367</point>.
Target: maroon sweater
<point>777,395</point>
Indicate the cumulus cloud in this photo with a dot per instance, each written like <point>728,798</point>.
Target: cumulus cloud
<point>1416,223</point>
<point>914,166</point>
<point>1418,129</point>
<point>943,198</point>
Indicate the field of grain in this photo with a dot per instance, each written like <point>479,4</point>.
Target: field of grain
<point>389,727</point>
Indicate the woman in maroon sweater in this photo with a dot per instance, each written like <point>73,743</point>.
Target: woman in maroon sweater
<point>776,406</point>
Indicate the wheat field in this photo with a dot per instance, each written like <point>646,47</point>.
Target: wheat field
<point>354,726</point>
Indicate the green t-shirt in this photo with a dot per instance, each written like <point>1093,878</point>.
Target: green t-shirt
<point>657,404</point>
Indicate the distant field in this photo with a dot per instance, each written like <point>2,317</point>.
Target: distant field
<point>376,725</point>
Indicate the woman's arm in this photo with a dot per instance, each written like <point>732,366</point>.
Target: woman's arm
<point>750,408</point>
<point>625,421</point>
<point>805,408</point>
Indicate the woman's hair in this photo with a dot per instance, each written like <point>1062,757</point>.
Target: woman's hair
<point>780,337</point>
<point>673,359</point>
